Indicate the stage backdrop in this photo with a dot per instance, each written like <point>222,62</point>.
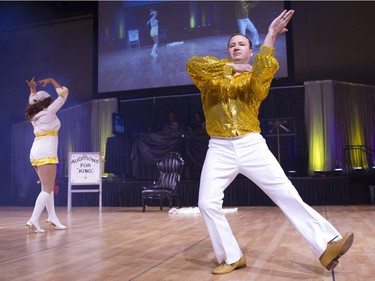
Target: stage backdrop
<point>339,118</point>
<point>340,123</point>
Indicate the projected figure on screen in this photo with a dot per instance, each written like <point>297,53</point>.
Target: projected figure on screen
<point>154,32</point>
<point>241,11</point>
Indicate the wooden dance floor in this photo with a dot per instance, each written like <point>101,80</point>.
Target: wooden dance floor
<point>122,243</point>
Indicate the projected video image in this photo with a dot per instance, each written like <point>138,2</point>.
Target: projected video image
<point>146,44</point>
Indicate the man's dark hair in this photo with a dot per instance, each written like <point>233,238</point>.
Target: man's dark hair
<point>236,33</point>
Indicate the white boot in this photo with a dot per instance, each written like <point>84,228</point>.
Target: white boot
<point>53,220</point>
<point>40,203</point>
<point>153,51</point>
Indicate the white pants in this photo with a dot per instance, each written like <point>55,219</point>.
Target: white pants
<point>246,24</point>
<point>250,156</point>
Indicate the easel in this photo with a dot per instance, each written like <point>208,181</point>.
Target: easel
<point>278,127</point>
<point>85,168</point>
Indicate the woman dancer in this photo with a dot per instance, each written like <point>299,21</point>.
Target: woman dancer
<point>41,112</point>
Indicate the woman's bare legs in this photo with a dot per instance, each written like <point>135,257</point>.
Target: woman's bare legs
<point>47,176</point>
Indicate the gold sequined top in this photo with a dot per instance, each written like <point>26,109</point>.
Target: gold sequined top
<point>231,102</point>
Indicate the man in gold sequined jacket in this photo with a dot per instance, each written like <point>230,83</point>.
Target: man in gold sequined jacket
<point>231,92</point>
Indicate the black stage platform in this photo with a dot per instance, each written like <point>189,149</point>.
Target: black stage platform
<point>135,157</point>
<point>337,190</point>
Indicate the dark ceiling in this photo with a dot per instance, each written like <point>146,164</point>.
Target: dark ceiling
<point>24,13</point>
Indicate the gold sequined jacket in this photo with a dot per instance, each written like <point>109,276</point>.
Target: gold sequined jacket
<point>231,102</point>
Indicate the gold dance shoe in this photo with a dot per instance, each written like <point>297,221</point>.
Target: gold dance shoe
<point>55,223</point>
<point>33,228</point>
<point>335,249</point>
<point>224,268</point>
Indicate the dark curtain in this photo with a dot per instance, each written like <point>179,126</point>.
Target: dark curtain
<point>146,116</point>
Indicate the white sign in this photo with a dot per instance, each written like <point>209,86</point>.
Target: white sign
<point>85,168</point>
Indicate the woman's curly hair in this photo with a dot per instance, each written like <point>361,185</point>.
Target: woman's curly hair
<point>33,109</point>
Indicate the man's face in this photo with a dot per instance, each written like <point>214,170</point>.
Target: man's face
<point>239,49</point>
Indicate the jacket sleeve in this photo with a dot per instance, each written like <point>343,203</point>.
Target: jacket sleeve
<point>203,69</point>
<point>264,69</point>
<point>60,100</point>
